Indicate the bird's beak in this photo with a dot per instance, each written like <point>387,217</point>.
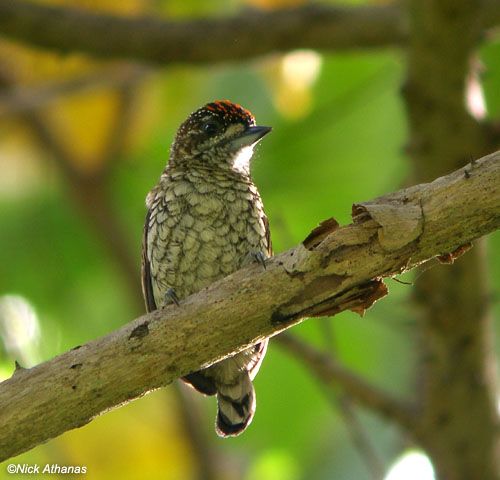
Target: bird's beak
<point>248,137</point>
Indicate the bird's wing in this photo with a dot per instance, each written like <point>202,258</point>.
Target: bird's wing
<point>196,379</point>
<point>147,287</point>
<point>268,236</point>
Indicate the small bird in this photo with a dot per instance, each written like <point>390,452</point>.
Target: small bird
<point>205,220</point>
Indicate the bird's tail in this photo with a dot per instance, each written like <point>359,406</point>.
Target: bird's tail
<point>236,406</point>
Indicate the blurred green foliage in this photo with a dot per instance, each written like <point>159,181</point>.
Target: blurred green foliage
<point>345,146</point>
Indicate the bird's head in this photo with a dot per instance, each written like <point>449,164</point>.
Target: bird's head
<point>221,134</point>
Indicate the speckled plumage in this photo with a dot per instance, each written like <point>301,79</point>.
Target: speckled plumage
<point>205,220</point>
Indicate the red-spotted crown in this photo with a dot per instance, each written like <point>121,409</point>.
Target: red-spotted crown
<point>230,112</point>
<point>215,134</point>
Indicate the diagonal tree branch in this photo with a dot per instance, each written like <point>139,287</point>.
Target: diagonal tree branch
<point>248,34</point>
<point>333,270</point>
<point>331,373</point>
<point>343,402</point>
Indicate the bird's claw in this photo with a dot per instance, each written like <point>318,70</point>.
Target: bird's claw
<point>171,297</point>
<point>257,257</point>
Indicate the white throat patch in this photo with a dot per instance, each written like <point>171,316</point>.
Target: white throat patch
<point>242,159</point>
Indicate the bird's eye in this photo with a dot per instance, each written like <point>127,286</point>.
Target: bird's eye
<point>211,128</point>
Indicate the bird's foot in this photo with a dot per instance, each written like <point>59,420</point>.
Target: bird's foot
<point>256,257</point>
<point>171,297</point>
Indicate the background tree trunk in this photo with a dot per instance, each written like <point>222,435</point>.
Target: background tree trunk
<point>458,384</point>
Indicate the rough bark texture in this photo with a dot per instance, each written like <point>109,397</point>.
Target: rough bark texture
<point>215,40</point>
<point>340,269</point>
<point>459,416</point>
